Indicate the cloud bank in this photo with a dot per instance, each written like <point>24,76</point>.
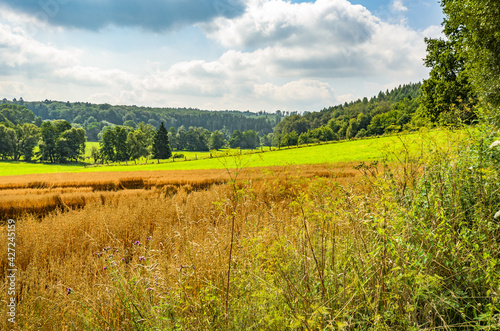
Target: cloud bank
<point>153,15</point>
<point>274,55</point>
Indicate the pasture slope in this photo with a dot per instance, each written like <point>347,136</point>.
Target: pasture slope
<point>345,151</point>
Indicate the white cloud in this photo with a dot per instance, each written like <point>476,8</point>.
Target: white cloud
<point>93,76</point>
<point>277,22</point>
<point>398,5</point>
<point>305,91</point>
<point>324,39</point>
<point>278,55</point>
<point>19,52</point>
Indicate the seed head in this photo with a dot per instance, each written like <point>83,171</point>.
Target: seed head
<point>495,143</point>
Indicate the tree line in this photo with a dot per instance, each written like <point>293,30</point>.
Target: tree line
<point>122,143</point>
<point>58,141</point>
<point>95,118</point>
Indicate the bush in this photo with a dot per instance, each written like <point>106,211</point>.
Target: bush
<point>178,156</point>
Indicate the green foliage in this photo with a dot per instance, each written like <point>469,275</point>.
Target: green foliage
<point>86,113</point>
<point>236,139</point>
<point>196,139</point>
<point>107,144</point>
<point>60,142</point>
<point>290,139</point>
<point>8,141</point>
<point>448,83</point>
<point>47,144</point>
<point>455,208</point>
<point>246,140</point>
<point>70,145</point>
<point>137,145</point>
<point>161,146</point>
<point>120,143</point>
<point>27,140</point>
<point>216,140</point>
<point>12,115</point>
<point>474,24</point>
<point>114,145</point>
<point>149,132</point>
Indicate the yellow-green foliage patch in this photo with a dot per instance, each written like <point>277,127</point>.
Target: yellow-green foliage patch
<point>346,151</point>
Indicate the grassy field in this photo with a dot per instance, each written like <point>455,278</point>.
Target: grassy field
<point>348,151</point>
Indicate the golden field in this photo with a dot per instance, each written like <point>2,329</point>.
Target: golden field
<point>348,246</point>
<point>81,267</point>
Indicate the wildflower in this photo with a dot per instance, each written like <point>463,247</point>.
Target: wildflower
<point>123,259</point>
<point>68,291</point>
<point>99,254</point>
<point>495,143</point>
<point>148,238</point>
<point>137,242</point>
<point>105,268</point>
<point>142,258</point>
<point>149,289</point>
<point>110,256</point>
<point>497,214</point>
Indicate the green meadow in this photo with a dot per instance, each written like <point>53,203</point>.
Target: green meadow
<point>346,151</point>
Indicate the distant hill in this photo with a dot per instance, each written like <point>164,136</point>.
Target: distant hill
<point>93,117</point>
<point>387,112</point>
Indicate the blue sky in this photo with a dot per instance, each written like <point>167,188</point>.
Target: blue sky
<point>223,54</point>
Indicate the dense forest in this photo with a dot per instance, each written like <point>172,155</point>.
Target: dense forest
<point>95,117</point>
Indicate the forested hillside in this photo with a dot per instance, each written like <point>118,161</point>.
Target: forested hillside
<point>94,117</point>
<point>388,112</point>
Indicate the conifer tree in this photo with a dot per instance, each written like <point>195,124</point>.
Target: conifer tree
<point>161,145</point>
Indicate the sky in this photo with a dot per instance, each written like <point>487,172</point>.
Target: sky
<point>216,55</point>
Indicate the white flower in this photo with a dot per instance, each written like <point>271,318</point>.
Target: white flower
<point>495,143</point>
<point>497,214</point>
